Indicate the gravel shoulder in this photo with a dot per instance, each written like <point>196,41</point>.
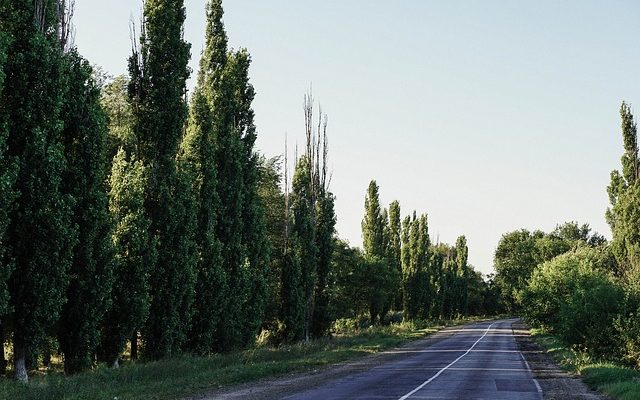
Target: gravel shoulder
<point>555,383</point>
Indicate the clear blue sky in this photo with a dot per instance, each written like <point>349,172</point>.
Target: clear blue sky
<point>488,115</point>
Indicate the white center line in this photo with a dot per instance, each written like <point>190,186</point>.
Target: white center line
<point>425,383</point>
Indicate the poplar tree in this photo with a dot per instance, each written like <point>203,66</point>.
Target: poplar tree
<point>8,171</point>
<point>624,195</point>
<point>303,237</point>
<point>254,232</point>
<point>373,224</point>
<point>405,255</point>
<point>40,232</point>
<point>417,286</point>
<point>84,136</point>
<point>462,255</point>
<point>394,250</point>
<point>158,70</point>
<point>135,253</point>
<point>325,228</point>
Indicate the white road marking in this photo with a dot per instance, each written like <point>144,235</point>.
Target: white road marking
<point>425,383</point>
<point>530,371</point>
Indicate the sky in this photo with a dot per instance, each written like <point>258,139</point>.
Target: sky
<point>490,116</point>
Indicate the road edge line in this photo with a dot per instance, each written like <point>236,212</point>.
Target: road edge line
<point>531,371</point>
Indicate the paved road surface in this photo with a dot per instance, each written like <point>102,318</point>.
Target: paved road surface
<point>480,361</point>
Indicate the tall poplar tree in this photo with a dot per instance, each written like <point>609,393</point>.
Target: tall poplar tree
<point>624,195</point>
<point>88,294</point>
<point>135,253</point>
<point>463,274</point>
<point>303,237</point>
<point>394,249</point>
<point>40,232</point>
<point>373,224</point>
<point>8,171</point>
<point>158,70</point>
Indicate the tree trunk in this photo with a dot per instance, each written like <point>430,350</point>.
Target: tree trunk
<point>116,363</point>
<point>134,346</point>
<point>20,355</point>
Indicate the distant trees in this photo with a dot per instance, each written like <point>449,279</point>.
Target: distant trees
<point>434,280</point>
<point>519,252</point>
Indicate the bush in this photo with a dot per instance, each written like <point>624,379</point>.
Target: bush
<point>576,296</point>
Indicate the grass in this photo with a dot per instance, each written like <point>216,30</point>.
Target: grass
<point>188,375</point>
<point>614,380</point>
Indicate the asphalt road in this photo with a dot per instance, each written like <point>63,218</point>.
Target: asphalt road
<point>479,361</point>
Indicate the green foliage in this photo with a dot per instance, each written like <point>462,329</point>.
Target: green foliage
<point>120,121</point>
<point>87,297</point>
<point>303,234</point>
<point>273,202</point>
<point>8,171</point>
<point>624,195</point>
<point>40,231</point>
<point>394,248</point>
<point>325,228</point>
<point>196,159</point>
<point>135,252</point>
<point>578,298</point>
<point>158,73</point>
<point>373,224</point>
<point>519,252</point>
<point>416,272</point>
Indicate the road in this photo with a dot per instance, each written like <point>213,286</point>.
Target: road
<point>478,361</point>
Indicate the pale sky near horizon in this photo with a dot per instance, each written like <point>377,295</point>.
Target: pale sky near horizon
<point>490,116</point>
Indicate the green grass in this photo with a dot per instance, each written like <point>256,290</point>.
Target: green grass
<point>187,375</point>
<point>615,380</point>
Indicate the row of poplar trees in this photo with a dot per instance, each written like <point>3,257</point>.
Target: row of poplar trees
<point>148,231</point>
<point>422,279</point>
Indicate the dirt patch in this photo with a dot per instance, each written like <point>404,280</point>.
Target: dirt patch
<point>555,383</point>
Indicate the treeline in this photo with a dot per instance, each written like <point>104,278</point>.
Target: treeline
<point>401,269</point>
<point>136,219</point>
<point>577,284</point>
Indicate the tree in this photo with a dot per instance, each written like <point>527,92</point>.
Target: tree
<point>417,285</point>
<point>40,232</point>
<point>463,274</point>
<point>158,70</point>
<point>394,248</point>
<point>273,200</point>
<point>303,237</point>
<point>624,195</point>
<point>116,104</point>
<point>373,224</point>
<point>515,258</point>
<point>325,228</point>
<point>84,136</point>
<point>8,171</point>
<point>197,157</point>
<point>135,253</point>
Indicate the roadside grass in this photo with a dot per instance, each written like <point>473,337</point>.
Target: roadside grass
<point>189,375</point>
<point>614,380</point>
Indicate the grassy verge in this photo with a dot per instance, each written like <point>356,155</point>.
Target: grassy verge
<point>612,379</point>
<point>185,375</point>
